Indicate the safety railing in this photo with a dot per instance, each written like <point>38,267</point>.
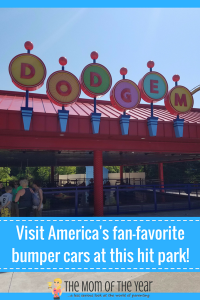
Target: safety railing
<point>121,199</point>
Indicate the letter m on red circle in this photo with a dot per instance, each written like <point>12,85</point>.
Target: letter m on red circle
<point>31,73</point>
<point>92,76</point>
<point>180,101</point>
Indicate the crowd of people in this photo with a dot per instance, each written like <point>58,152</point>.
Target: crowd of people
<point>24,199</point>
<point>20,200</point>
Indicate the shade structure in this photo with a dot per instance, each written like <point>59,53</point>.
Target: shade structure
<point>45,134</point>
<point>45,144</point>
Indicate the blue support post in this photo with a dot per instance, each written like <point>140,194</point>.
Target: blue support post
<point>178,123</point>
<point>26,116</point>
<point>154,195</point>
<point>63,117</point>
<point>95,104</point>
<point>124,119</point>
<point>152,109</point>
<point>152,123</point>
<point>95,120</point>
<point>178,127</point>
<point>124,124</point>
<point>26,111</point>
<point>27,97</point>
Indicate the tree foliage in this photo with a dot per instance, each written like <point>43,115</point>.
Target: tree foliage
<point>113,169</point>
<point>5,174</point>
<point>65,170</point>
<point>80,170</point>
<point>43,173</point>
<point>183,172</point>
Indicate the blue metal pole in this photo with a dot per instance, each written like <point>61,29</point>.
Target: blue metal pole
<point>176,83</point>
<point>151,109</point>
<point>123,76</point>
<point>151,102</point>
<point>94,61</point>
<point>95,104</point>
<point>27,96</point>
<point>27,92</point>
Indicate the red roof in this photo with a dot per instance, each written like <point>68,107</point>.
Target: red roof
<point>13,101</point>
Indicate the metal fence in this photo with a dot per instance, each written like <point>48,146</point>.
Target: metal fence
<point>85,181</point>
<point>120,199</point>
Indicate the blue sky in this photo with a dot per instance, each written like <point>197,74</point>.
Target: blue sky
<point>122,36</point>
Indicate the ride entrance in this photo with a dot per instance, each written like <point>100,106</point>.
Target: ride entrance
<point>45,145</point>
<point>120,132</point>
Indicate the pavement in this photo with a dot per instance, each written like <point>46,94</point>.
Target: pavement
<point>161,282</point>
<point>31,282</point>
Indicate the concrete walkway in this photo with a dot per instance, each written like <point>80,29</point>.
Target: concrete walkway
<point>38,282</point>
<point>161,282</point>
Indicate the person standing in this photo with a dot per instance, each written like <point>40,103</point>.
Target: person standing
<point>24,197</point>
<point>15,205</point>
<point>2,189</point>
<point>6,200</point>
<point>19,186</point>
<point>37,210</point>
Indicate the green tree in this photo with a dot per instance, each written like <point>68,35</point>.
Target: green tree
<point>133,169</point>
<point>5,174</point>
<point>65,170</point>
<point>43,173</point>
<point>80,170</point>
<point>151,172</point>
<point>113,169</point>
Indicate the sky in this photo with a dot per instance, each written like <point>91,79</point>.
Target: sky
<point>123,37</point>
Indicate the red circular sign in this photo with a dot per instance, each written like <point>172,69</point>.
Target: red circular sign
<point>63,88</point>
<point>179,100</point>
<point>125,95</point>
<point>95,80</point>
<point>27,71</point>
<point>153,87</point>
